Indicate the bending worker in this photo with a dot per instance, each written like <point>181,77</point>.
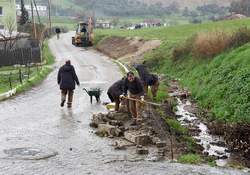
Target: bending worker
<point>134,86</point>
<point>115,91</point>
<point>148,79</point>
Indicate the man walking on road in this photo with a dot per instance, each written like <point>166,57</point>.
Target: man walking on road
<point>58,31</point>
<point>134,86</point>
<point>67,79</point>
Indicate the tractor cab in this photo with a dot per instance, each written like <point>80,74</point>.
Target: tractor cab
<point>84,34</point>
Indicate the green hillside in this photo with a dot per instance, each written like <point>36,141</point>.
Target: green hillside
<point>220,84</point>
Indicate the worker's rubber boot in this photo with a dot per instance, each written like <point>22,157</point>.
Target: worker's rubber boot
<point>69,105</point>
<point>62,103</point>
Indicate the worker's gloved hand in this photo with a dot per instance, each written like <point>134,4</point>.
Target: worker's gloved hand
<point>142,98</point>
<point>122,96</point>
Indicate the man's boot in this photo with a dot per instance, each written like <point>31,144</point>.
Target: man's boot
<point>63,97</point>
<point>70,98</point>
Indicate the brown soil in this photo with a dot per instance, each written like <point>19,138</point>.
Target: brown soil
<point>129,50</point>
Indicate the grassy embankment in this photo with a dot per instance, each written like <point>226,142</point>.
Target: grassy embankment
<point>220,84</point>
<point>37,74</point>
<point>60,21</point>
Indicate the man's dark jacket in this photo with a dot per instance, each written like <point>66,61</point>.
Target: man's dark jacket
<point>116,90</point>
<point>146,77</point>
<point>67,77</point>
<point>135,87</point>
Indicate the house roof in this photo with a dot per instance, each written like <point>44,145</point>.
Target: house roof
<point>152,21</point>
<point>235,16</point>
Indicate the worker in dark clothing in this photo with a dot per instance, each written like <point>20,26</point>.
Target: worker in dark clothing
<point>134,86</point>
<point>148,79</point>
<point>67,79</point>
<point>115,91</point>
<point>58,31</point>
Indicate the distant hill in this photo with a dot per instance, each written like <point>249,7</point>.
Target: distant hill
<point>124,7</point>
<point>188,3</point>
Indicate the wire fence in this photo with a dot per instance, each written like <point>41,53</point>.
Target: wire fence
<point>11,78</point>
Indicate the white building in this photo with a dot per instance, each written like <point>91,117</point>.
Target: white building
<point>42,9</point>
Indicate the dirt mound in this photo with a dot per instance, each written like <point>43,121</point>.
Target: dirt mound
<point>129,50</point>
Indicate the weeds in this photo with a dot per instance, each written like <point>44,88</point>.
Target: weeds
<point>207,45</point>
<point>210,44</point>
<point>190,159</point>
<point>176,127</point>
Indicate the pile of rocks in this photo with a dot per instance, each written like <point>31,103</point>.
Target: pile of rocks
<point>118,126</point>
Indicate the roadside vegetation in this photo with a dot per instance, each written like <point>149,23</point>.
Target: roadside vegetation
<point>190,159</point>
<point>218,78</point>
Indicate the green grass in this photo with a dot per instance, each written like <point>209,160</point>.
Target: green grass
<point>34,80</point>
<point>161,94</point>
<point>176,127</point>
<point>190,159</point>
<point>58,21</point>
<point>13,73</point>
<point>220,85</point>
<point>48,57</point>
<point>175,34</point>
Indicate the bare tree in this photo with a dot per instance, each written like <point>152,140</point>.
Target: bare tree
<point>10,35</point>
<point>24,14</point>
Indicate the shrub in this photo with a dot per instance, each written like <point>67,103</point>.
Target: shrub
<point>175,126</point>
<point>207,45</point>
<point>240,37</point>
<point>183,50</point>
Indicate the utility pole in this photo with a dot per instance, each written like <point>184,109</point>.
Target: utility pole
<point>33,19</point>
<point>49,6</point>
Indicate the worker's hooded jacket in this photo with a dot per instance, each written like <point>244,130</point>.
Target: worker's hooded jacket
<point>146,77</point>
<point>135,87</point>
<point>116,89</point>
<point>67,77</point>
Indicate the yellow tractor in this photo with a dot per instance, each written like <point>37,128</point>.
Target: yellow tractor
<point>84,34</point>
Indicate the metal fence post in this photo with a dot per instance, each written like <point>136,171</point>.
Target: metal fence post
<point>28,71</point>
<point>20,76</point>
<point>10,81</point>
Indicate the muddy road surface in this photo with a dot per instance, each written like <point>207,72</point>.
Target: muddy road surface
<point>37,136</point>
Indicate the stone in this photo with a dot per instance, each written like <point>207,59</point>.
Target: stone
<point>219,143</point>
<point>118,132</point>
<point>93,125</point>
<point>162,151</point>
<point>119,116</point>
<point>138,139</point>
<point>115,123</point>
<point>142,151</point>
<point>155,139</point>
<point>121,144</point>
<point>107,129</point>
<point>98,119</point>
<point>161,144</point>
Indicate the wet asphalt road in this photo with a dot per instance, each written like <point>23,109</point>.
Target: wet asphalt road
<point>35,122</point>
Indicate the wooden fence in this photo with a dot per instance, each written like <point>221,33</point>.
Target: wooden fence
<point>20,56</point>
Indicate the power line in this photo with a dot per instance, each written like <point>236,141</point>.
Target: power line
<point>49,6</point>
